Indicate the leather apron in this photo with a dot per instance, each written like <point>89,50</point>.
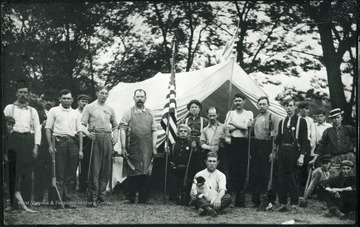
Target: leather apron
<point>140,147</point>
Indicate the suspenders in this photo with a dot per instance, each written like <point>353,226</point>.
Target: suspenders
<point>31,116</point>
<point>297,127</point>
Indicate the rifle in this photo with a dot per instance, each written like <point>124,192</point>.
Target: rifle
<point>303,202</point>
<point>183,191</point>
<point>266,200</point>
<point>89,168</point>
<point>248,163</point>
<point>54,183</point>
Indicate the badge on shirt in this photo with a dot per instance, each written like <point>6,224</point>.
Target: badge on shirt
<point>187,148</point>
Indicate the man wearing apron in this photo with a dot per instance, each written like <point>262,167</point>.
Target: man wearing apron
<point>138,144</point>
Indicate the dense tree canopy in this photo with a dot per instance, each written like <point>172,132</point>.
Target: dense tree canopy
<point>85,44</point>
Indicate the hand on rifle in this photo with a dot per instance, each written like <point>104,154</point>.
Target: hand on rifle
<point>154,151</point>
<point>214,148</point>
<point>124,152</point>
<point>312,163</point>
<point>81,155</point>
<point>193,144</point>
<point>114,140</point>
<point>91,135</point>
<point>52,150</point>
<point>167,150</point>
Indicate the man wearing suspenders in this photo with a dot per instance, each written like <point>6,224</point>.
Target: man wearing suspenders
<point>26,137</point>
<point>292,142</point>
<point>265,128</point>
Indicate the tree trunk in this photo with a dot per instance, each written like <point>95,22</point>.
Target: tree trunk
<point>332,62</point>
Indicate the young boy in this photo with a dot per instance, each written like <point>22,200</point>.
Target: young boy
<point>10,164</point>
<point>179,158</point>
<point>318,175</point>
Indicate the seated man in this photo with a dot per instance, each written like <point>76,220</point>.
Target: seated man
<point>318,175</point>
<point>217,181</point>
<point>339,193</point>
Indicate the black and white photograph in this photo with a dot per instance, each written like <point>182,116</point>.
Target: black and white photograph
<point>179,112</point>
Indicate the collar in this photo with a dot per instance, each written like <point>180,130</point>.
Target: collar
<point>22,105</point>
<point>193,116</point>
<point>340,127</point>
<point>217,124</point>
<point>139,110</point>
<point>63,109</point>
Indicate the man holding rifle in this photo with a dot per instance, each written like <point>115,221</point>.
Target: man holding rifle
<point>101,122</point>
<point>265,128</point>
<point>292,142</point>
<point>138,144</point>
<point>239,121</point>
<point>61,127</point>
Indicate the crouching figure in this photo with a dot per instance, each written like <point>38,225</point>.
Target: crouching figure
<point>208,191</point>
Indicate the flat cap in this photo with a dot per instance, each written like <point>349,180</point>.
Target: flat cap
<point>347,163</point>
<point>83,97</point>
<point>325,158</point>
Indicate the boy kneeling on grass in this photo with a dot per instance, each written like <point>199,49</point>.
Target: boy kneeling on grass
<point>339,193</point>
<point>215,180</point>
<point>320,174</point>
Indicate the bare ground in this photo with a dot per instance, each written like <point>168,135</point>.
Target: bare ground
<point>117,212</point>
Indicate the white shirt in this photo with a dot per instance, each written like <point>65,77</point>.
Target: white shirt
<point>241,119</point>
<point>25,120</point>
<point>63,122</point>
<point>319,130</point>
<point>216,180</point>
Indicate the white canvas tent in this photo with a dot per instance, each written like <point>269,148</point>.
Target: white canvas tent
<point>209,85</point>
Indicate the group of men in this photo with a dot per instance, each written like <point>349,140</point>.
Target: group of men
<point>282,155</point>
<point>275,152</point>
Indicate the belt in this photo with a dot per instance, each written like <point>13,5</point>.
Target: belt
<point>288,145</point>
<point>23,133</point>
<point>64,138</point>
<point>260,139</point>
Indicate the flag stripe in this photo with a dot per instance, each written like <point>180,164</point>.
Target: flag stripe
<point>169,114</point>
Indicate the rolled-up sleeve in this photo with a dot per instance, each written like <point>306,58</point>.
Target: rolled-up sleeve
<point>113,120</point>
<point>50,119</point>
<point>125,120</point>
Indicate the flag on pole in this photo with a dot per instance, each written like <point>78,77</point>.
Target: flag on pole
<point>169,115</point>
<point>229,50</point>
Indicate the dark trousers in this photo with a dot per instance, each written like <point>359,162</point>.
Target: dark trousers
<point>237,157</point>
<point>141,184</point>
<point>66,158</point>
<point>304,169</point>
<point>84,167</point>
<point>20,165</point>
<point>346,203</point>
<point>177,191</point>
<point>100,166</point>
<point>42,173</point>
<point>260,168</point>
<point>288,174</point>
<point>203,203</point>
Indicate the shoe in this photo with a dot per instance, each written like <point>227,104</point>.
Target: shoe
<point>91,204</point>
<point>201,212</point>
<point>37,204</point>
<point>303,203</point>
<point>351,216</point>
<point>294,209</point>
<point>70,206</point>
<point>147,202</point>
<point>129,201</point>
<point>339,214</point>
<point>210,211</point>
<point>283,208</point>
<point>328,214</point>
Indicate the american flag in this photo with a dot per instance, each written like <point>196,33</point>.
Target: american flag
<point>169,115</point>
<point>229,50</point>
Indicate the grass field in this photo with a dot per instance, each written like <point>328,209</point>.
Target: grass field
<point>117,212</point>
